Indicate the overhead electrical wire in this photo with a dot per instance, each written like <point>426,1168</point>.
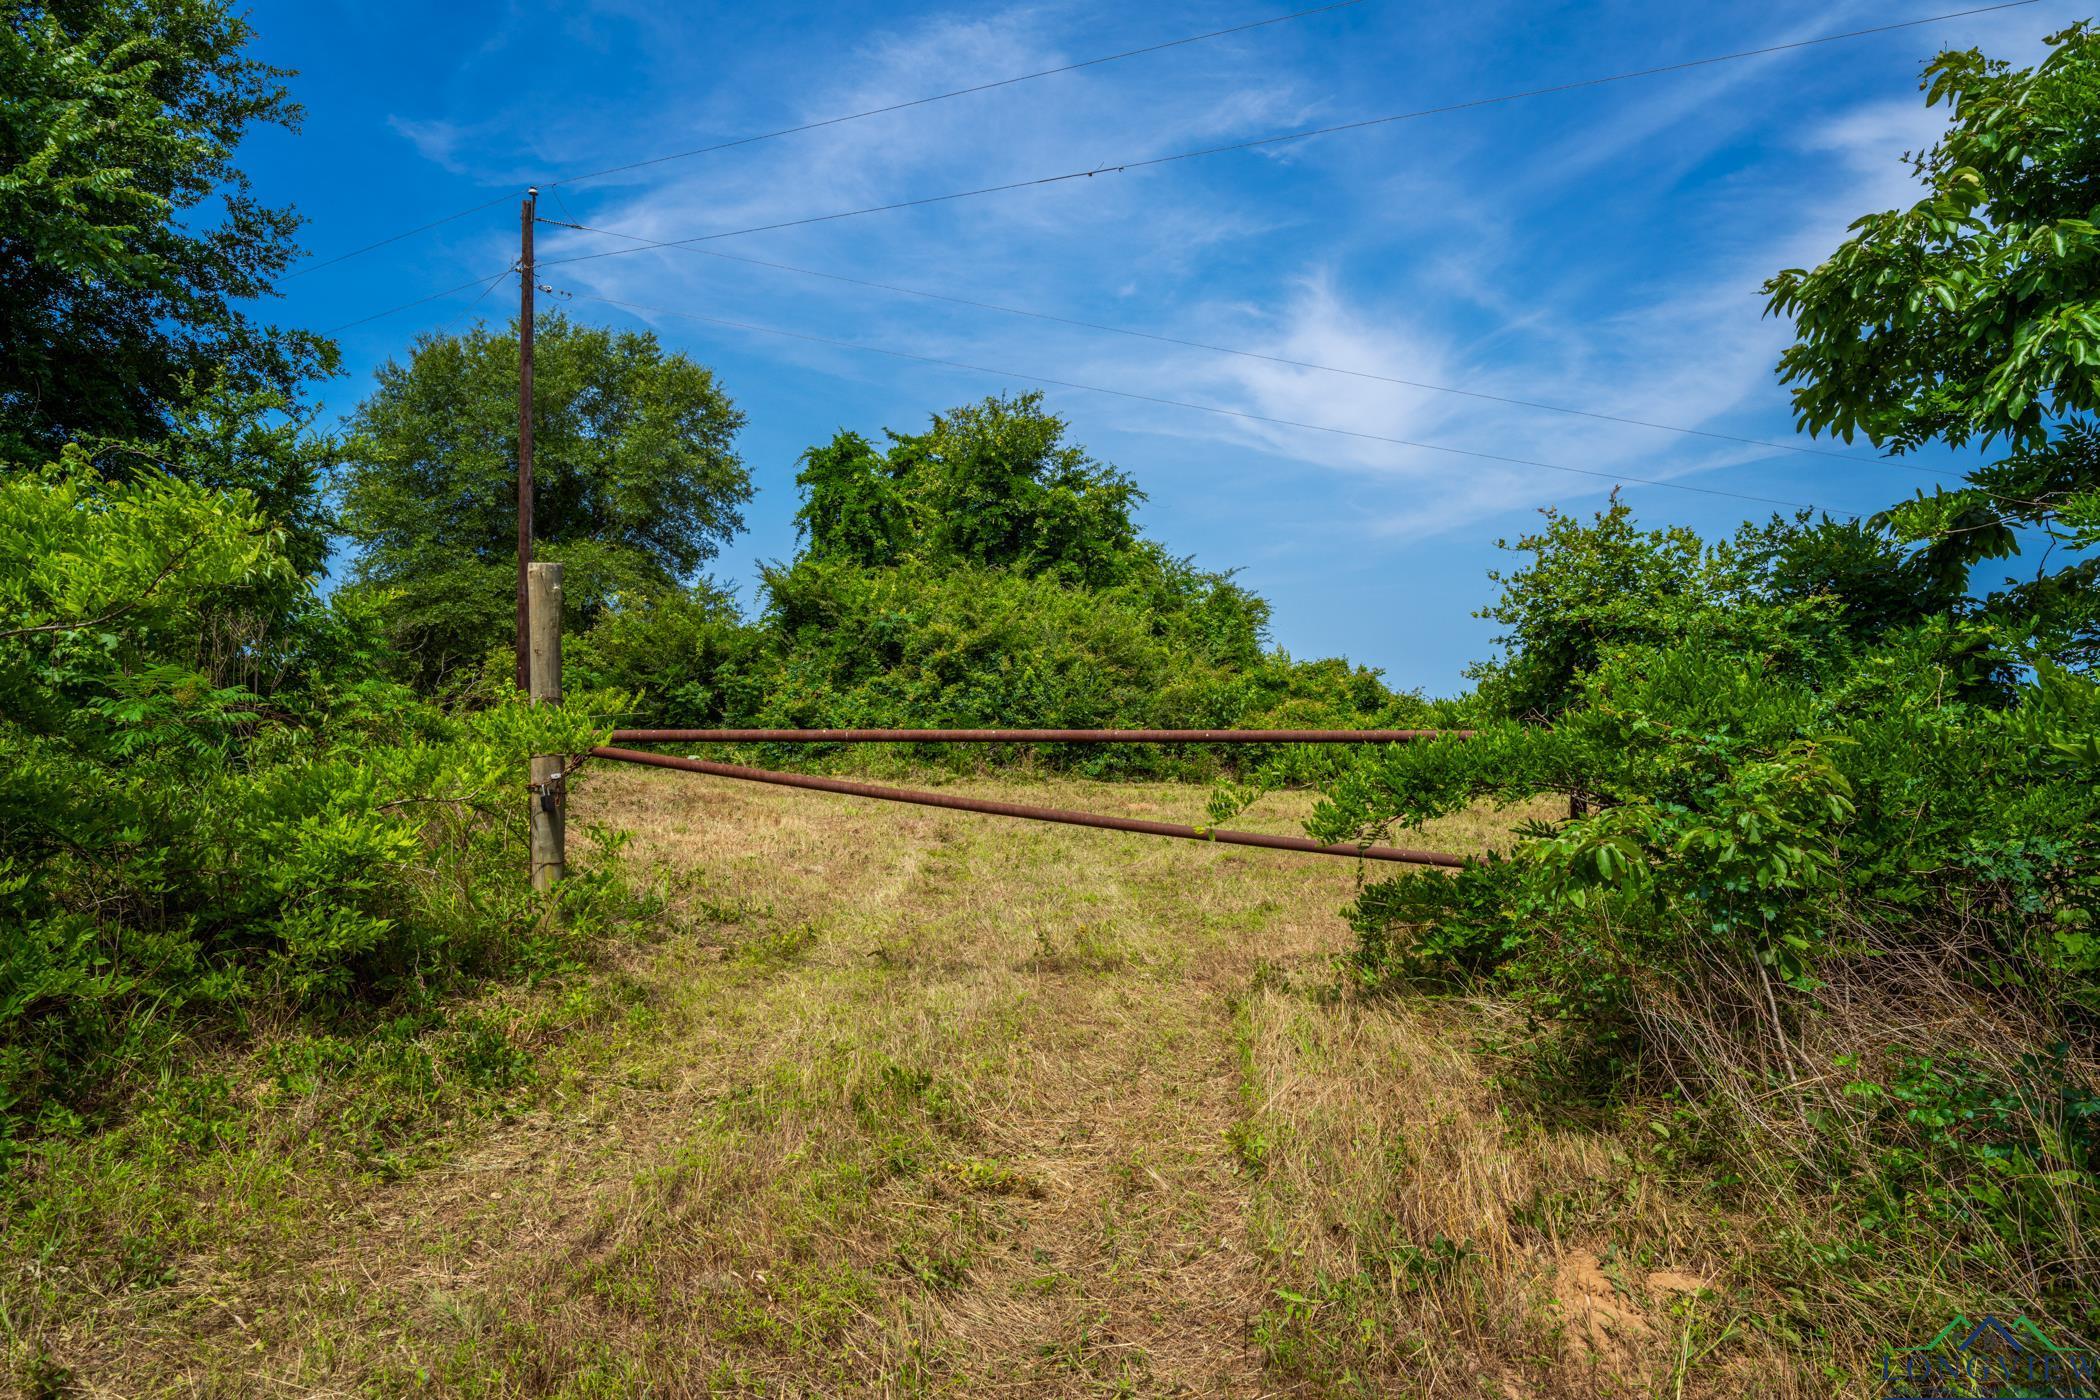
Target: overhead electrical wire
<point>1257,354</point>
<point>434,296</point>
<point>460,315</point>
<point>1187,155</point>
<point>1219,409</point>
<point>1306,134</point>
<point>645,245</point>
<point>944,96</point>
<point>834,121</point>
<point>396,238</point>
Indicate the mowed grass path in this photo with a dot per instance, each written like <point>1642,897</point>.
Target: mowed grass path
<point>922,1103</point>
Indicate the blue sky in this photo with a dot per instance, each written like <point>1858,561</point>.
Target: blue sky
<point>1598,249</point>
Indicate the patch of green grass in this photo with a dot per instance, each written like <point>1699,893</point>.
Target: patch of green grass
<point>1089,947</point>
<point>780,949</point>
<point>990,1177</point>
<point>237,1157</point>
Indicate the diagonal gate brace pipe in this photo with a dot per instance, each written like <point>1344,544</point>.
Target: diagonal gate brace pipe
<point>1027,813</point>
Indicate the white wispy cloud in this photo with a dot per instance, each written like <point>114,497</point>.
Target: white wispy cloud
<point>1412,261</point>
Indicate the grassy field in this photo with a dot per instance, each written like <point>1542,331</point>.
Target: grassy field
<point>901,1102</point>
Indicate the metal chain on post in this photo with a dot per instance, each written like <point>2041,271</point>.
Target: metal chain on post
<point>549,790</point>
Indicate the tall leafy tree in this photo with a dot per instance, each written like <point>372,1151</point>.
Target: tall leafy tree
<point>1974,317</point>
<point>854,507</point>
<point>636,480</point>
<point>130,240</point>
<point>993,483</point>
<point>1587,588</point>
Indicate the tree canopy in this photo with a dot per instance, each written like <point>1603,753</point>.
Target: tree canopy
<point>636,479</point>
<point>1974,316</point>
<point>993,483</point>
<point>1591,588</point>
<point>129,238</point>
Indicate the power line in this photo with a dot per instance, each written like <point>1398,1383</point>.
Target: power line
<point>434,296</point>
<point>832,121</point>
<point>396,238</point>
<point>958,92</point>
<point>1289,136</point>
<point>1253,354</point>
<point>1198,407</point>
<point>468,309</point>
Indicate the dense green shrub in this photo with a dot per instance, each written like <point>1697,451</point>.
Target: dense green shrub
<point>685,655</point>
<point>175,851</point>
<point>983,573</point>
<point>1805,591</point>
<point>215,813</point>
<point>1835,881</point>
<point>962,646</point>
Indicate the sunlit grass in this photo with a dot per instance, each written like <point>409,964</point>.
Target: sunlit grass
<point>902,1102</point>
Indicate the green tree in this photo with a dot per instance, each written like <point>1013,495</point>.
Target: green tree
<point>991,483</point>
<point>1880,584</point>
<point>1974,317</point>
<point>1588,588</point>
<point>853,507</point>
<point>987,571</point>
<point>636,480</point>
<point>129,238</point>
<point>1807,587</point>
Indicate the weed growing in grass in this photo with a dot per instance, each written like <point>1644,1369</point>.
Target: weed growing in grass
<point>780,949</point>
<point>1088,947</point>
<point>995,1178</point>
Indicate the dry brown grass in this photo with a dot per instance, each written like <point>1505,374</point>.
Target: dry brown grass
<point>918,1102</point>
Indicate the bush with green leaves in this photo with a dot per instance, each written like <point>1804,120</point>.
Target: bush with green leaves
<point>1807,858</point>
<point>177,852</point>
<point>920,646</point>
<point>985,572</point>
<point>686,656</point>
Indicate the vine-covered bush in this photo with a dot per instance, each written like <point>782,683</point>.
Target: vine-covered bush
<point>177,848</point>
<point>984,573</point>
<point>1836,890</point>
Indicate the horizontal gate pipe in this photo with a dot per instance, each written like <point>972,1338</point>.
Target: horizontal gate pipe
<point>1032,736</point>
<point>1015,809</point>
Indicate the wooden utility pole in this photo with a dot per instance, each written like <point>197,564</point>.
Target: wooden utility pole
<point>548,794</point>
<point>527,212</point>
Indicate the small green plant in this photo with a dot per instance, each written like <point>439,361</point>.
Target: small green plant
<point>979,1174</point>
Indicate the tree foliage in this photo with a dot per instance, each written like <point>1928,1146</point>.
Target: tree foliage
<point>636,481</point>
<point>129,238</point>
<point>1591,588</point>
<point>1820,779</point>
<point>174,850</point>
<point>992,483</point>
<point>987,571</point>
<point>1974,317</point>
<point>1795,828</point>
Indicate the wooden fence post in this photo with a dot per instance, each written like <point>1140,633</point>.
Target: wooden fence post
<point>549,808</point>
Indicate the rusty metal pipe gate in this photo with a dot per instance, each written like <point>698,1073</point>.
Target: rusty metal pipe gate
<point>1019,810</point>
